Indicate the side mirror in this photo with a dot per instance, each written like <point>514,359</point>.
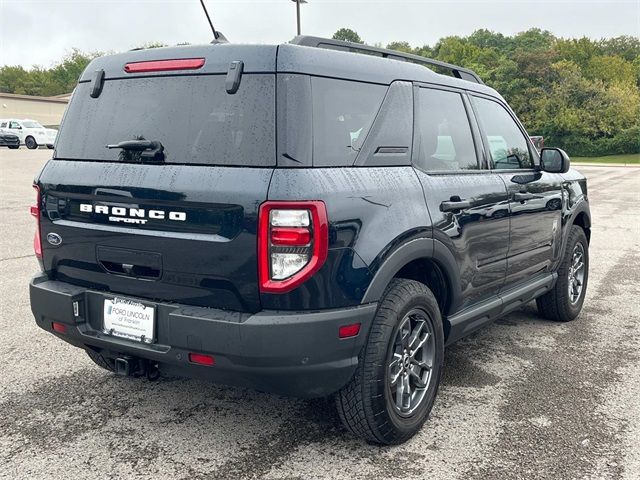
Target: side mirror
<point>554,160</point>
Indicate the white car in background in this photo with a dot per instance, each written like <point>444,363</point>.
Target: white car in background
<point>30,132</point>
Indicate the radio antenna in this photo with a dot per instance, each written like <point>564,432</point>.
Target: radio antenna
<point>215,34</point>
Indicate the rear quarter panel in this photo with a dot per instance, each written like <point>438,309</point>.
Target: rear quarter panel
<point>371,211</point>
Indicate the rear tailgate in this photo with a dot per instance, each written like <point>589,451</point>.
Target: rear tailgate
<point>180,231</point>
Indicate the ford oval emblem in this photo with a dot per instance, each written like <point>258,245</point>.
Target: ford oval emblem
<point>54,239</point>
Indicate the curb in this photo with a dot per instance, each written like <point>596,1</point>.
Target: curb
<point>589,164</point>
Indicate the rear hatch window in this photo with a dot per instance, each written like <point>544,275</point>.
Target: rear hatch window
<point>192,116</point>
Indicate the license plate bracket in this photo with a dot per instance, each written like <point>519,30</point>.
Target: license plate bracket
<point>129,319</point>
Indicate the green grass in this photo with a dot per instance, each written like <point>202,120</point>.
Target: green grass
<point>630,158</point>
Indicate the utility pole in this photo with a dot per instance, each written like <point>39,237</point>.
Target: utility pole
<point>298,2</point>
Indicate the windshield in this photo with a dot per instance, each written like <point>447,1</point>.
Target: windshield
<point>192,116</point>
<point>31,124</point>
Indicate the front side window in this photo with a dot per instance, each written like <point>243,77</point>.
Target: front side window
<point>506,142</point>
<point>445,138</point>
<point>14,125</point>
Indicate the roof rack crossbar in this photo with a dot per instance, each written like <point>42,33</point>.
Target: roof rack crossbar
<point>331,44</point>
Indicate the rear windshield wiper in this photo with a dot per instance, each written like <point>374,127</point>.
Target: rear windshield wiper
<point>140,151</point>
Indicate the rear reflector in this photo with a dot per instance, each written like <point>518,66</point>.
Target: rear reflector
<point>347,331</point>
<point>59,327</point>
<point>164,65</point>
<point>201,359</point>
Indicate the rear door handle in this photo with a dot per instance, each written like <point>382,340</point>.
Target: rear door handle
<point>454,203</point>
<point>522,196</point>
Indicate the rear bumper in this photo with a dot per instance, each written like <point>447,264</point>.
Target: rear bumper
<point>290,353</point>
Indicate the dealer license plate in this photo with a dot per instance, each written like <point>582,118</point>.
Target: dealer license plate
<point>128,319</point>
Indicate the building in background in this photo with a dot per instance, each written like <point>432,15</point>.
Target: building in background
<point>46,110</point>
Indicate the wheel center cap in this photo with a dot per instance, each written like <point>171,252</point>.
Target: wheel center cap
<point>406,361</point>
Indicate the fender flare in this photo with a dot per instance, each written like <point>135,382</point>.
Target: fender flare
<point>581,207</point>
<point>413,250</point>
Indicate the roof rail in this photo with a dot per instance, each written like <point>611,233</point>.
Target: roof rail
<point>330,44</point>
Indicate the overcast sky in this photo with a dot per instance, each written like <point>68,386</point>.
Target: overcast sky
<point>42,31</point>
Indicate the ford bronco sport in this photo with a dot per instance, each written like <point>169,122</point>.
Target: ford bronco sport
<point>314,218</point>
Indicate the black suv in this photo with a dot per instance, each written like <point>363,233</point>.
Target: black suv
<point>314,218</point>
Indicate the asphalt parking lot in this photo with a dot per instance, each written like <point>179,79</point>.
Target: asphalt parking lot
<point>523,398</point>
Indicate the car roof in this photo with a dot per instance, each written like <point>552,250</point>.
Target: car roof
<point>286,57</point>
<point>365,68</point>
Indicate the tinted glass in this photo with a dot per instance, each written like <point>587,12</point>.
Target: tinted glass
<point>445,142</point>
<point>507,144</point>
<point>193,117</point>
<point>343,112</point>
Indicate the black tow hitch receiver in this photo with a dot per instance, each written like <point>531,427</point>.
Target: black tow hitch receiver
<point>136,367</point>
<point>123,366</point>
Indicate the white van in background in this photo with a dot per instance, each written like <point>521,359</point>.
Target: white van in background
<point>30,132</point>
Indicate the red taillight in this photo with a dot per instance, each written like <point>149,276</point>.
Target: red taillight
<point>59,327</point>
<point>293,241</point>
<point>347,331</point>
<point>202,359</point>
<point>164,65</point>
<point>35,212</point>
<point>292,236</point>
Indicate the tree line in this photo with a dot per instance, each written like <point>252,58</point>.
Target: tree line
<point>582,95</point>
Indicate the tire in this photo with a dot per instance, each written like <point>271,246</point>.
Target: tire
<point>31,143</point>
<point>50,147</point>
<point>102,362</point>
<point>559,304</point>
<point>13,147</point>
<point>368,405</point>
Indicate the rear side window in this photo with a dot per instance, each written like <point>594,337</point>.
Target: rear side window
<point>343,112</point>
<point>506,142</point>
<point>445,138</point>
<point>193,117</point>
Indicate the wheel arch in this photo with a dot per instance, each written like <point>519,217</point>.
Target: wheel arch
<point>583,220</point>
<point>425,260</point>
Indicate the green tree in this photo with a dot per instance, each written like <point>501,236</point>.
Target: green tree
<point>401,47</point>
<point>610,69</point>
<point>347,35</point>
<point>59,79</point>
<point>626,46</point>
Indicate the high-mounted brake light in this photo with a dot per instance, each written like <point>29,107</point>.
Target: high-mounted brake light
<point>35,212</point>
<point>164,65</point>
<point>293,241</point>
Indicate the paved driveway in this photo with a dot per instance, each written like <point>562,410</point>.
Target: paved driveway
<point>523,398</point>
